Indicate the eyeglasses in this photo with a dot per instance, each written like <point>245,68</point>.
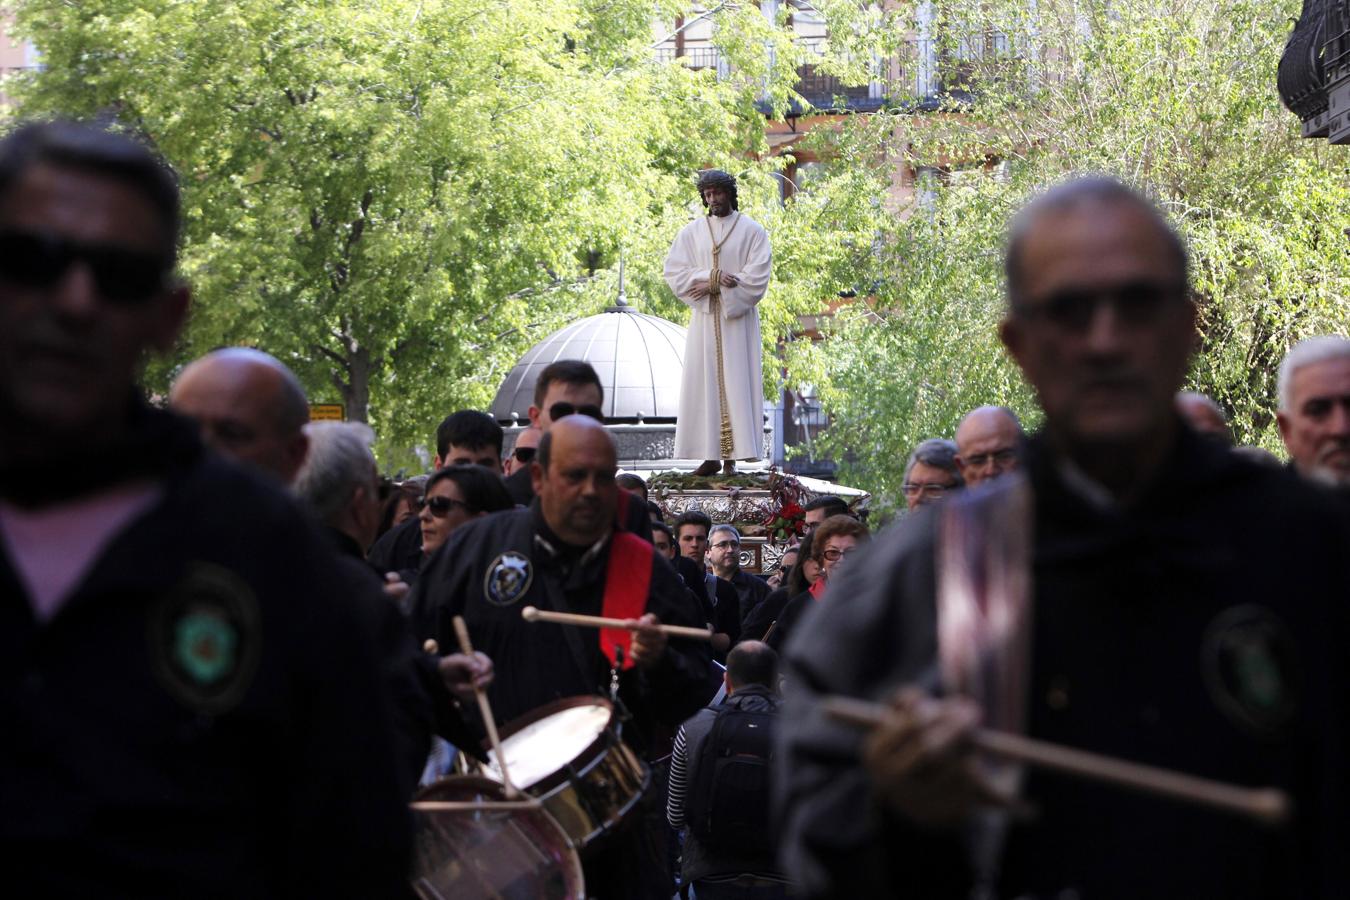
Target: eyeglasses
<point>998,457</point>
<point>524,454</point>
<point>726,545</point>
<point>441,506</point>
<point>834,555</point>
<point>932,489</point>
<point>563,408</point>
<point>37,260</point>
<point>1136,303</point>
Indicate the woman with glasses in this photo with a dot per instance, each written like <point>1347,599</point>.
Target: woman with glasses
<point>833,541</point>
<point>454,496</point>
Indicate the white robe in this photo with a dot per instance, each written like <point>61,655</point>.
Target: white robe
<point>745,254</point>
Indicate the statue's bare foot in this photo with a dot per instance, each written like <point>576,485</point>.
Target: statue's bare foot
<point>709,467</point>
<point>729,467</point>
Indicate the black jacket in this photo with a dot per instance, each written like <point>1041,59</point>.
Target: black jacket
<point>1202,629</point>
<point>206,716</point>
<point>699,861</point>
<point>538,663</point>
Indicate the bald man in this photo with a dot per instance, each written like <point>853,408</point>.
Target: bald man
<point>564,553</point>
<point>1204,415</point>
<point>986,443</point>
<point>250,408</point>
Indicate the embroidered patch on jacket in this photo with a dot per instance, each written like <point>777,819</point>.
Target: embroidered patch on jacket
<point>204,639</point>
<point>508,578</point>
<point>1250,668</point>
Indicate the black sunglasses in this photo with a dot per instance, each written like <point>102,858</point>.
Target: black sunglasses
<point>38,260</point>
<point>524,454</point>
<point>1136,303</point>
<point>559,410</point>
<point>441,506</point>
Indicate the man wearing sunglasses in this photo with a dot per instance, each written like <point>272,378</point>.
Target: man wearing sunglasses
<point>522,454</point>
<point>571,387</point>
<point>189,685</point>
<point>1146,570</point>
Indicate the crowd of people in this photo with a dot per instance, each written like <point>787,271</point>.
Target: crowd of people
<point>231,645</point>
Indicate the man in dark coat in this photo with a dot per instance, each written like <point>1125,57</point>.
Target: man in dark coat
<point>564,554</point>
<point>194,704</point>
<point>1142,583</point>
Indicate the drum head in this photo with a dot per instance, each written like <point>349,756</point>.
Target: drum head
<point>471,843</point>
<point>540,744</point>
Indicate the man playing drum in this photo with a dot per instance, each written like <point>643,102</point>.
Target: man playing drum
<point>562,554</point>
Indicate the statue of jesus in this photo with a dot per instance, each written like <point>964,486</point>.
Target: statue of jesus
<point>719,267</point>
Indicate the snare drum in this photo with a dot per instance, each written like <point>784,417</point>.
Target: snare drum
<point>471,843</point>
<point>569,755</point>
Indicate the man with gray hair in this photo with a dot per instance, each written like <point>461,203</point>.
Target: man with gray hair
<point>724,555</point>
<point>340,482</point>
<point>931,472</point>
<point>340,485</point>
<point>1314,411</point>
<point>986,442</point>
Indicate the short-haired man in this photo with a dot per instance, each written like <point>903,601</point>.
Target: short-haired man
<point>1204,416</point>
<point>691,535</point>
<point>469,437</point>
<point>931,473</point>
<point>572,387</point>
<point>822,507</point>
<point>1127,544</point>
<point>633,484</point>
<point>831,544</point>
<point>522,451</point>
<point>663,540</point>
<point>986,444</point>
<point>189,684</point>
<point>1314,409</point>
<point>724,555</point>
<point>564,388</point>
<point>720,602</point>
<point>250,407</point>
<point>565,553</point>
<point>729,849</point>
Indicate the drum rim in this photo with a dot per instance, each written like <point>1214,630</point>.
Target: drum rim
<point>560,774</point>
<point>531,807</point>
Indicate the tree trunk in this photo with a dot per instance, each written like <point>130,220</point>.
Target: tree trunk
<point>356,390</point>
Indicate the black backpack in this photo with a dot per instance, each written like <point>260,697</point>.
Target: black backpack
<point>728,803</point>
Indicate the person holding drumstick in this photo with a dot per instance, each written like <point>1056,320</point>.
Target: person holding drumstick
<point>1141,580</point>
<point>563,555</point>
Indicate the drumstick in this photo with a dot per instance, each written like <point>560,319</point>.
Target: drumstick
<point>1269,806</point>
<point>485,709</point>
<point>530,614</point>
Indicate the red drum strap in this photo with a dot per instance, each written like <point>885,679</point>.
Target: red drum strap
<point>627,580</point>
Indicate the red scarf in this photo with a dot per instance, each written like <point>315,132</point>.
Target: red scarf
<point>628,578</point>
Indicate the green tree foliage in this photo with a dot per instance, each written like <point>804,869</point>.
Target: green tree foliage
<point>397,197</point>
<point>1176,97</point>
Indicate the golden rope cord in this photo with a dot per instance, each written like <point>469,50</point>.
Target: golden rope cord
<point>715,307</point>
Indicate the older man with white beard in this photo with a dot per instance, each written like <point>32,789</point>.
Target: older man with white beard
<point>1314,413</point>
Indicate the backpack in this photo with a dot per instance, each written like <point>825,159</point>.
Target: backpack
<point>728,804</point>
